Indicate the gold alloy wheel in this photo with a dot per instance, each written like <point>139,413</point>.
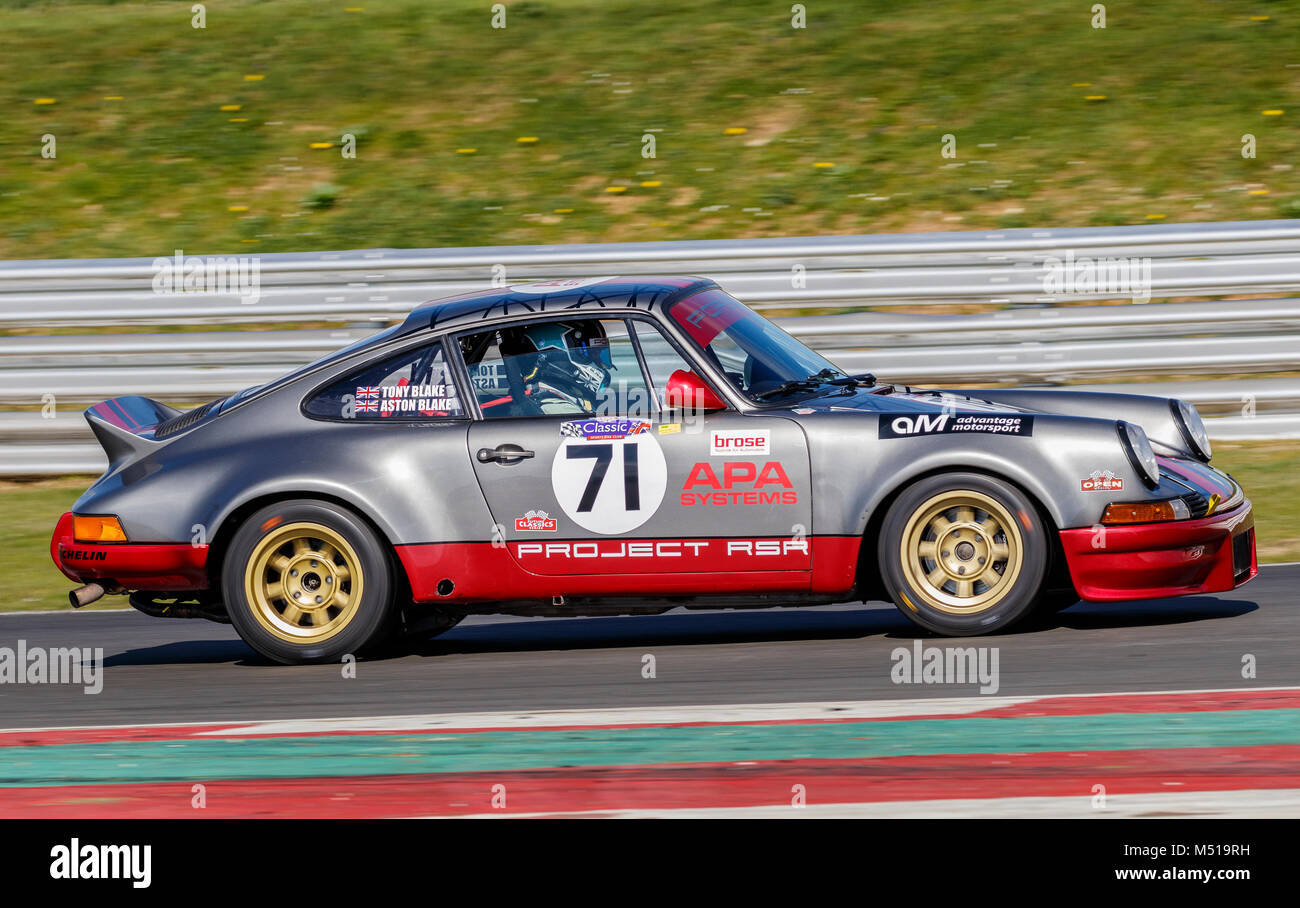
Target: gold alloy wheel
<point>962,551</point>
<point>304,582</point>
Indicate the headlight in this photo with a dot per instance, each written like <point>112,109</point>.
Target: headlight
<point>1138,447</point>
<point>1193,428</point>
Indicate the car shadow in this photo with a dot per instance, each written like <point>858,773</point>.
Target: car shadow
<point>700,628</point>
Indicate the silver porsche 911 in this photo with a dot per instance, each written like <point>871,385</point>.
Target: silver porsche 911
<point>629,445</point>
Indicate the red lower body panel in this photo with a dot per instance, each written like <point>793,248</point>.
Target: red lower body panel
<point>1151,561</point>
<point>134,565</point>
<point>483,571</point>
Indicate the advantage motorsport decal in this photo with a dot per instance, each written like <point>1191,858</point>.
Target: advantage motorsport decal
<point>949,423</point>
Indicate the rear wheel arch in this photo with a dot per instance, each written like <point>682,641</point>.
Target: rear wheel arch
<point>219,545</point>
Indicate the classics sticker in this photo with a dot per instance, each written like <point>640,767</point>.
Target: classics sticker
<point>536,522</point>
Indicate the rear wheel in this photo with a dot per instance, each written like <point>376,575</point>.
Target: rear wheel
<point>307,581</point>
<point>963,554</point>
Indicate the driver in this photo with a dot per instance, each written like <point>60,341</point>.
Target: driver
<point>565,367</point>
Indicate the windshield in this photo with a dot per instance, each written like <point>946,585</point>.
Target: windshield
<point>760,359</point>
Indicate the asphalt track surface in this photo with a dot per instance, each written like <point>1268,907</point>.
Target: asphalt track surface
<point>170,671</point>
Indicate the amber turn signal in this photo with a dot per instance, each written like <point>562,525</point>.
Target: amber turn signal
<point>1138,512</point>
<point>97,529</point>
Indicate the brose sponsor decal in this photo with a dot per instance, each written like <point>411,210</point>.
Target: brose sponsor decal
<point>741,482</point>
<point>739,442</point>
<point>1102,481</point>
<point>536,522</point>
<point>947,423</point>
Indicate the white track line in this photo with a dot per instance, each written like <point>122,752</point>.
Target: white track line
<point>642,715</point>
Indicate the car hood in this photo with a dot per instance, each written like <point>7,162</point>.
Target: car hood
<point>1154,414</point>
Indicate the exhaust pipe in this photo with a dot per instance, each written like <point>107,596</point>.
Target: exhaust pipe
<point>85,595</point>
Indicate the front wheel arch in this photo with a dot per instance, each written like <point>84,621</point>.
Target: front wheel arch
<point>871,581</point>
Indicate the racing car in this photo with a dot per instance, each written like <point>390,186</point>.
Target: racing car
<point>627,446</point>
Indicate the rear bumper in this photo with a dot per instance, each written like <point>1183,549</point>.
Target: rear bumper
<point>1151,561</point>
<point>171,567</point>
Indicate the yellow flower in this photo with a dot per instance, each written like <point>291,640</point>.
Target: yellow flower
<point>254,78</point>
<point>43,101</point>
<point>1273,113</point>
<point>651,184</point>
<point>616,189</point>
<point>735,131</point>
<point>322,144</point>
<point>237,208</point>
<point>231,106</point>
<point>466,151</point>
<point>526,140</point>
<point>823,164</point>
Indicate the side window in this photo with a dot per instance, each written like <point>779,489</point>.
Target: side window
<point>574,367</point>
<point>661,359</point>
<point>412,385</point>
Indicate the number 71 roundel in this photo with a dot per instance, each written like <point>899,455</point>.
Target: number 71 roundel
<point>609,485</point>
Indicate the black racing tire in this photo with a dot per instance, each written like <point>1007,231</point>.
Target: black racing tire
<point>308,581</point>
<point>963,554</point>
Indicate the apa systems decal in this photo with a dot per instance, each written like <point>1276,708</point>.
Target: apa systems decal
<point>739,443</point>
<point>536,522</point>
<point>1102,481</point>
<point>948,423</point>
<point>741,482</point>
<point>597,429</point>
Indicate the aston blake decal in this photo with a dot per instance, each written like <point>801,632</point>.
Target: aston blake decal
<point>906,425</point>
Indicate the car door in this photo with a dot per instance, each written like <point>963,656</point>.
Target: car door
<point>606,480</point>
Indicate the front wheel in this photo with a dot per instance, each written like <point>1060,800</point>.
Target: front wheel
<point>307,581</point>
<point>963,554</point>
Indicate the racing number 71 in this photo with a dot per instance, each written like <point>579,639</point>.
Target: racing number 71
<point>603,454</point>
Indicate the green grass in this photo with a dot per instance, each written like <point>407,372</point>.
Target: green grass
<point>1270,472</point>
<point>869,87</point>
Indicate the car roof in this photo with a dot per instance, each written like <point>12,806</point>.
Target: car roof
<point>563,295</point>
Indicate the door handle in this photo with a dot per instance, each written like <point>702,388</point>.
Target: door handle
<point>503,454</point>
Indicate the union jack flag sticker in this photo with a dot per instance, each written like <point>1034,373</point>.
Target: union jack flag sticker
<point>367,406</point>
<point>367,394</point>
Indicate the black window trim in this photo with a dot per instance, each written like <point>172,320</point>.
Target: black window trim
<point>390,353</point>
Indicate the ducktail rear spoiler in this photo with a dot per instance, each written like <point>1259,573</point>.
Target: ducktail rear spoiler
<point>124,426</point>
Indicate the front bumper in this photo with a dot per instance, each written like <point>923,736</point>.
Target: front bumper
<point>172,567</point>
<point>1151,561</point>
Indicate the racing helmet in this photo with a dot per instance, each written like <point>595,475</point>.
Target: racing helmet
<point>578,350</point>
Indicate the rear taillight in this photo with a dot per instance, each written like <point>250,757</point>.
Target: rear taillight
<point>97,528</point>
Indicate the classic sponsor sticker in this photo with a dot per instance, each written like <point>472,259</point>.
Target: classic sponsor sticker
<point>536,522</point>
<point>906,425</point>
<point>598,429</point>
<point>739,443</point>
<point>1102,481</point>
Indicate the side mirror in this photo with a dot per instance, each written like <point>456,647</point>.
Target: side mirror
<point>687,391</point>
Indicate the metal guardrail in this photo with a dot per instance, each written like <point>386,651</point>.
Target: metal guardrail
<point>65,319</point>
